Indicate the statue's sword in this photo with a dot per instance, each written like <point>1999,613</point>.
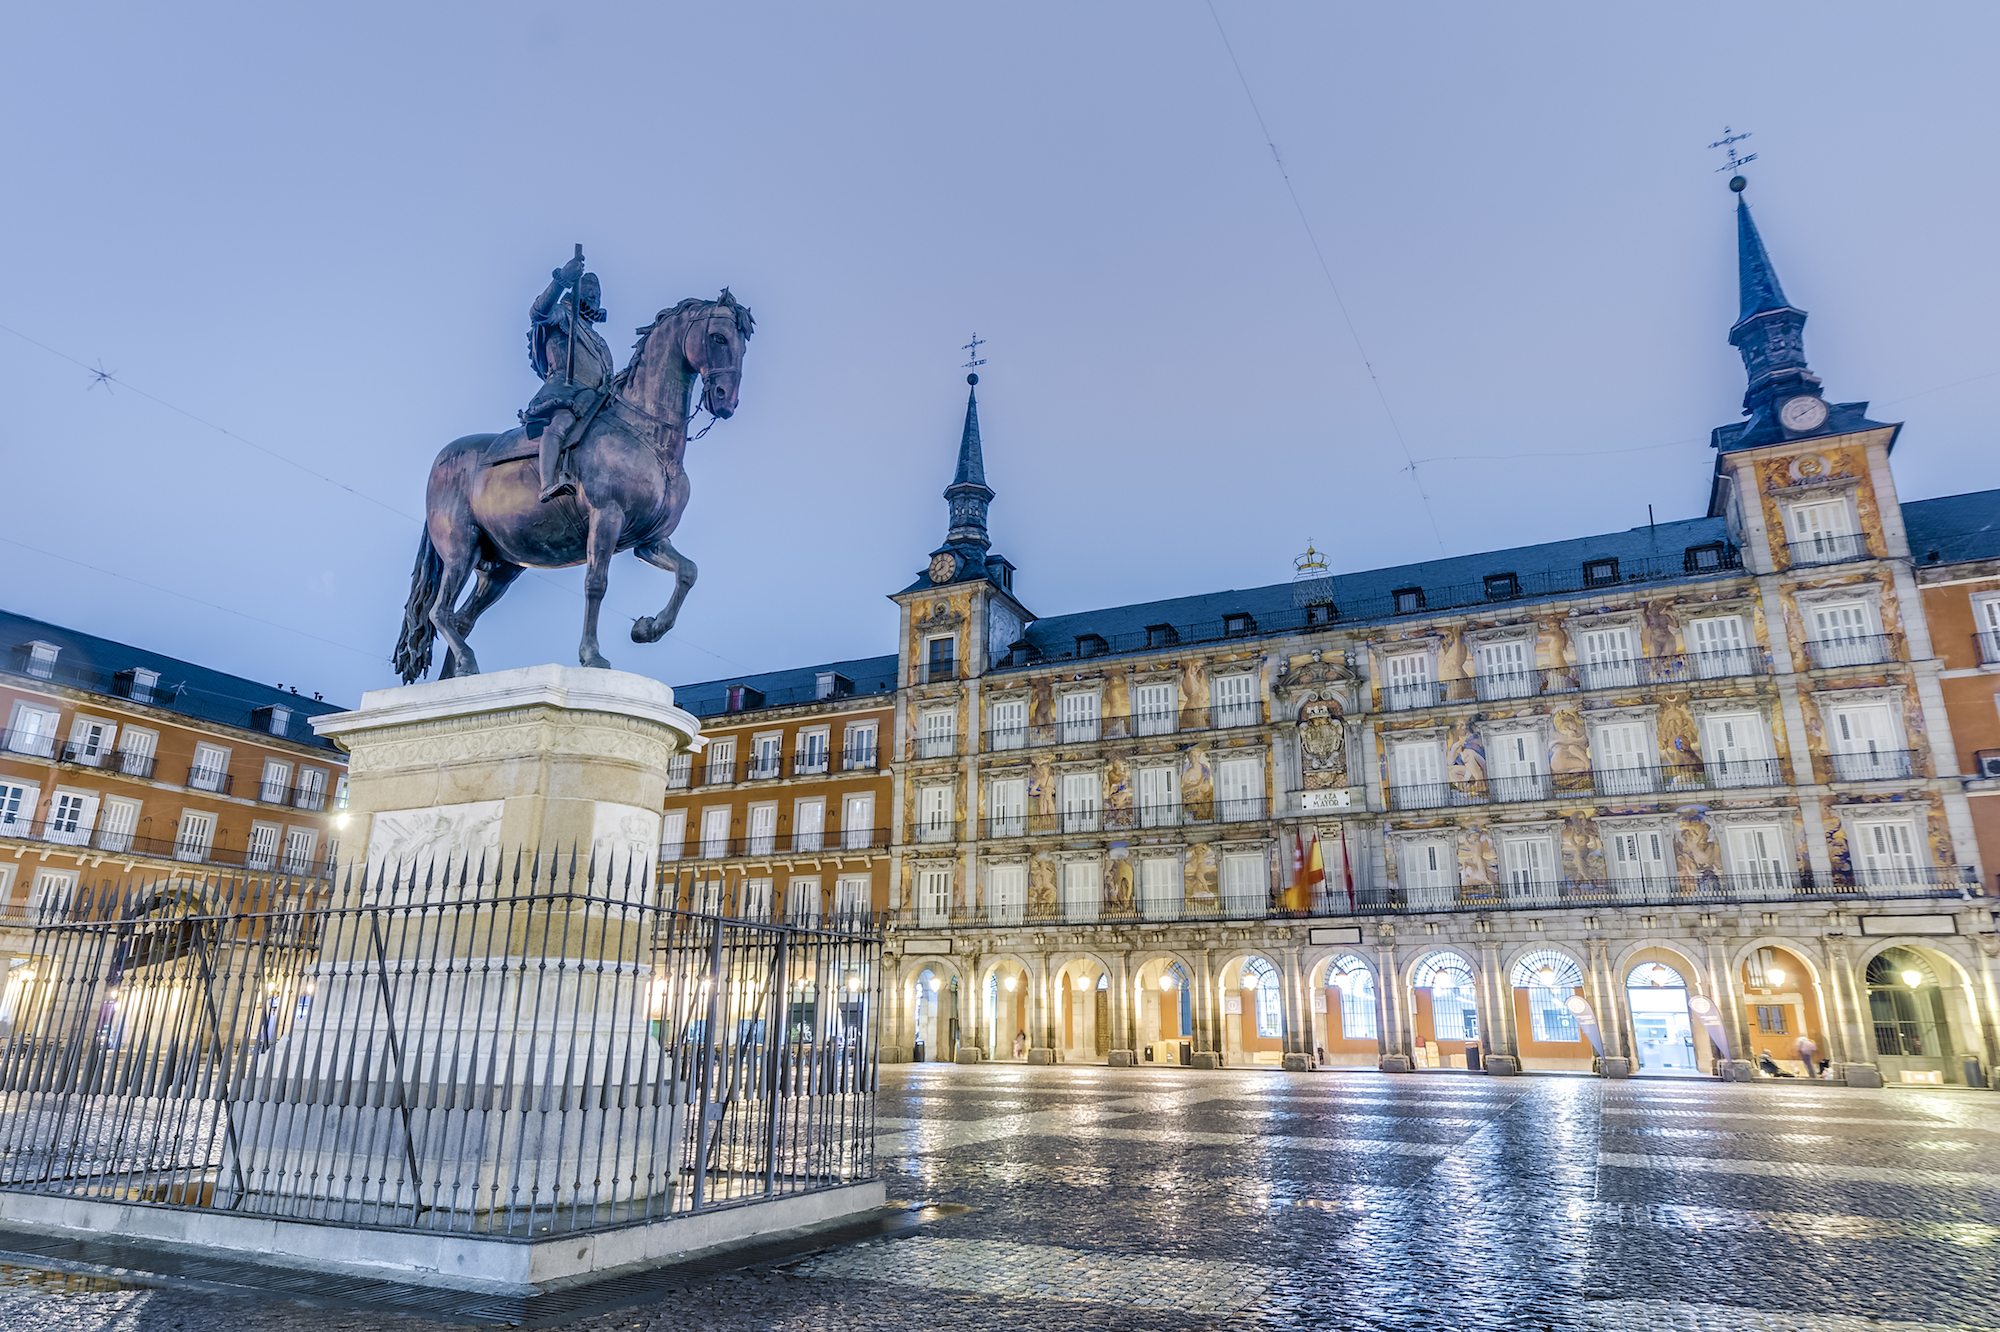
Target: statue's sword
<point>575,295</point>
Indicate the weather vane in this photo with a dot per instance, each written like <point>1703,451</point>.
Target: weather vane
<point>1728,142</point>
<point>108,378</point>
<point>972,349</point>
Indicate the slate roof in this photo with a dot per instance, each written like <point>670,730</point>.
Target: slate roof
<point>1957,527</point>
<point>798,685</point>
<point>89,662</point>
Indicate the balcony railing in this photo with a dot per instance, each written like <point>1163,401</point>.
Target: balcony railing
<point>1622,673</point>
<point>1331,900</point>
<point>34,743</point>
<point>1875,765</point>
<point>54,833</point>
<point>1126,818</point>
<point>1856,650</point>
<point>1125,725</point>
<point>1988,643</point>
<point>209,779</point>
<point>1830,548</point>
<point>702,773</point>
<point>779,846</point>
<point>1602,782</point>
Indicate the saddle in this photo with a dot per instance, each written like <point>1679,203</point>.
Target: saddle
<point>514,445</point>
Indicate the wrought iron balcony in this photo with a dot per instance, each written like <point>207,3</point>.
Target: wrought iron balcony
<point>1619,673</point>
<point>1125,725</point>
<point>209,779</point>
<point>1604,782</point>
<point>1126,818</point>
<point>33,743</point>
<point>1988,643</point>
<point>1853,650</point>
<point>56,832</point>
<point>778,845</point>
<point>1875,765</point>
<point>1829,548</point>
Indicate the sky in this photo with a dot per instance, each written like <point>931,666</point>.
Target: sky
<point>304,240</point>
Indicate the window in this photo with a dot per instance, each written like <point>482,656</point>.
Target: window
<point>1885,853</point>
<point>276,784</point>
<point>937,735</point>
<point>853,896</point>
<point>1416,774</point>
<point>312,789</point>
<point>1237,624</point>
<point>1639,856</point>
<point>1321,612</point>
<point>1758,859</point>
<point>210,771</point>
<point>1502,587</point>
<point>196,833</point>
<point>1091,645</point>
<point>17,807</point>
<point>138,683</point>
<point>673,834</point>
<point>939,660</point>
<point>1160,888</point>
<point>753,899</point>
<point>1261,979</point>
<point>721,765</point>
<point>715,832</point>
<point>680,771</point>
<point>763,838</point>
<point>1864,744</point>
<point>50,898</point>
<point>1159,797</point>
<point>1719,647</point>
<point>1161,635</point>
<point>1079,718</point>
<point>933,896</point>
<point>1007,894</point>
<point>1516,766</point>
<point>1704,559</point>
<point>1625,759</point>
<point>1239,789</point>
<point>1986,614</point>
<point>276,720</point>
<point>934,808</point>
<point>1506,669</point>
<point>116,823</point>
<point>33,731</point>
<point>1234,699</point>
<point>1428,872</point>
<point>812,747</point>
<point>1408,600</point>
<point>135,754</point>
<point>1409,681</point>
<point>299,845</point>
<point>1771,1020</point>
<point>1082,890</point>
<point>89,741</point>
<point>1610,660</point>
<point>71,814</point>
<point>802,901</point>
<point>1550,978</point>
<point>1529,863</point>
<point>1454,1014</point>
<point>42,659</point>
<point>263,850</point>
<point>1350,976</point>
<point>1824,534</point>
<point>1842,635</point>
<point>1153,708</point>
<point>1246,889</point>
<point>1600,573</point>
<point>1007,807</point>
<point>742,698</point>
<point>764,755</point>
<point>1080,792</point>
<point>860,745</point>
<point>809,824</point>
<point>1009,728</point>
<point>1737,751</point>
<point>857,822</point>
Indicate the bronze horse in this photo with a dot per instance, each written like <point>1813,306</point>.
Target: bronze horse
<point>484,511</point>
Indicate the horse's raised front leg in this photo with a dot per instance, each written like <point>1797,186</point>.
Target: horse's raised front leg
<point>605,525</point>
<point>456,556</point>
<point>662,555</point>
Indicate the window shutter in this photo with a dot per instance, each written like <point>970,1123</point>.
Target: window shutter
<point>808,825</point>
<point>1418,763</point>
<point>673,834</point>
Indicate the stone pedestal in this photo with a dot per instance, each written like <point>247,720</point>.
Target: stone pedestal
<point>1502,1066</point>
<point>1122,1059</point>
<point>1859,1075</point>
<point>1297,1063</point>
<point>1395,1063</point>
<point>549,757</point>
<point>968,1055</point>
<point>1616,1066</point>
<point>1208,1059</point>
<point>1041,1056</point>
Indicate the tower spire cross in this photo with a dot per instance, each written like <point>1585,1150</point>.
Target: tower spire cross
<point>972,349</point>
<point>1728,143</point>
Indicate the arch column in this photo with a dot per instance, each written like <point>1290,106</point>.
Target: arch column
<point>1298,1016</point>
<point>1041,1014</point>
<point>1207,1024</point>
<point>1124,1042</point>
<point>971,1013</point>
<point>1396,1053</point>
<point>1503,1050</point>
<point>1852,1005</point>
<point>898,1021</point>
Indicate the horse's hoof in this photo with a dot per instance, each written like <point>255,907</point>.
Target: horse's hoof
<point>596,661</point>
<point>642,630</point>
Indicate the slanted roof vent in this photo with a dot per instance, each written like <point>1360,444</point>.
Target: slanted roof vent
<point>1162,635</point>
<point>1236,624</point>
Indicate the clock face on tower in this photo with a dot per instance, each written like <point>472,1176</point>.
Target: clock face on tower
<point>943,565</point>
<point>1802,413</point>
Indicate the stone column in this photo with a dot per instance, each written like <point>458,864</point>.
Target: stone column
<point>1124,1048</point>
<point>1396,1053</point>
<point>1298,1016</point>
<point>1041,1012</point>
<point>971,1012</point>
<point>1503,1057</point>
<point>1207,1023</point>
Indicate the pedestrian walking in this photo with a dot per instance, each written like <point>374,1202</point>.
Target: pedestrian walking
<point>1808,1055</point>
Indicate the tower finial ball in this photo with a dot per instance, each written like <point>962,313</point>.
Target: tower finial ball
<point>1737,183</point>
<point>972,379</point>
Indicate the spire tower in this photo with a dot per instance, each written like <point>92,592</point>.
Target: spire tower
<point>968,494</point>
<point>1769,330</point>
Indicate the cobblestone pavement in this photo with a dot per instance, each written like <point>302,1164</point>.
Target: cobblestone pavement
<point>1172,1199</point>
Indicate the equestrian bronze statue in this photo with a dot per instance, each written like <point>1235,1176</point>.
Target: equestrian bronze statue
<point>594,468</point>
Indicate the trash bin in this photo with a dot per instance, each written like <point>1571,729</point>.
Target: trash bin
<point>1975,1076</point>
<point>917,1053</point>
<point>1472,1059</point>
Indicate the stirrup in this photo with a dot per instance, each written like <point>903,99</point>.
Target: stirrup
<point>562,486</point>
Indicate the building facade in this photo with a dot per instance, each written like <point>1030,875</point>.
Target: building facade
<point>120,762</point>
<point>1702,776</point>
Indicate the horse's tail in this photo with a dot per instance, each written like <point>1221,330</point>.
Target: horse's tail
<point>413,649</point>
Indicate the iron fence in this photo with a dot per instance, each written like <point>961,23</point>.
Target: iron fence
<point>1828,548</point>
<point>1139,723</point>
<point>514,1049</point>
<point>1594,783</point>
<point>1616,673</point>
<point>780,845</point>
<point>1853,650</point>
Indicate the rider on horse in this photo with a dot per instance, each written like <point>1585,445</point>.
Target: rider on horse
<point>573,361</point>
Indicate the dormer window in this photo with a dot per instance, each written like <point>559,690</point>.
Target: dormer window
<point>41,659</point>
<point>1018,653</point>
<point>1408,599</point>
<point>1237,624</point>
<point>1091,645</point>
<point>742,698</point>
<point>832,684</point>
<point>1503,586</point>
<point>1321,612</point>
<point>1702,558</point>
<point>139,684</point>
<point>275,719</point>
<point>1600,573</point>
<point>1161,635</point>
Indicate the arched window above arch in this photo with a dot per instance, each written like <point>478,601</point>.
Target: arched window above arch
<point>1654,975</point>
<point>1550,978</point>
<point>1454,1010</point>
<point>1351,977</point>
<point>1262,977</point>
<point>1547,968</point>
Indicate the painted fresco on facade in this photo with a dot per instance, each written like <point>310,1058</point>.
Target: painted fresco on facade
<point>1477,865</point>
<point>1697,851</point>
<point>1465,752</point>
<point>1119,898</point>
<point>1569,751</point>
<point>1679,738</point>
<point>1197,778</point>
<point>1117,794</point>
<point>1042,886</point>
<point>1582,852</point>
<point>1194,692</point>
<point>1199,878</point>
<point>1117,705</point>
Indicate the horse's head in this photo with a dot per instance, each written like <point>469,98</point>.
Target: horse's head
<point>713,341</point>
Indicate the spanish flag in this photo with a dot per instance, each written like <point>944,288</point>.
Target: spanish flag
<point>1315,868</point>
<point>1297,897</point>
